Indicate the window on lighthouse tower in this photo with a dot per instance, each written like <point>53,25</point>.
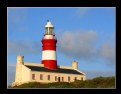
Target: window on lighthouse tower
<point>49,30</point>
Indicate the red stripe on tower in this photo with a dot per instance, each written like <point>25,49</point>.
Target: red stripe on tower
<point>50,64</point>
<point>49,44</point>
<point>49,48</point>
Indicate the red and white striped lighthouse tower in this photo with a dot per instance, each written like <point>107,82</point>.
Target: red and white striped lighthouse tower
<point>49,47</point>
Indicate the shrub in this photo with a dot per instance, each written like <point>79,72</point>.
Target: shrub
<point>98,82</point>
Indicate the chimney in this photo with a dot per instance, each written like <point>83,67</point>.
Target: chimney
<point>20,59</point>
<point>75,65</point>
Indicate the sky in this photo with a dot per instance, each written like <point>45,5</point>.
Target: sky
<point>84,34</point>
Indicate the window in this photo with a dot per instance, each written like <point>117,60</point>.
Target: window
<point>75,78</point>
<point>48,77</point>
<point>62,79</point>
<point>68,78</point>
<point>33,76</point>
<point>81,78</point>
<point>41,77</point>
<point>55,78</point>
<point>58,79</point>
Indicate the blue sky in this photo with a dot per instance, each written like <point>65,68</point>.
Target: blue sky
<point>86,35</point>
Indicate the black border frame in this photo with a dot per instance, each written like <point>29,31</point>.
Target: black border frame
<point>69,3</point>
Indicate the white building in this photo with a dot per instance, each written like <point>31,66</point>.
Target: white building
<point>48,70</point>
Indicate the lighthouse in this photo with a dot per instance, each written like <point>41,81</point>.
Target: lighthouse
<point>49,47</point>
<point>48,71</point>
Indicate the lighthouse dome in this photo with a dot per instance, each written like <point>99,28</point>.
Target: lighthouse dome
<point>49,24</point>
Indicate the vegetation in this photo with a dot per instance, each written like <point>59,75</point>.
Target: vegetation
<point>98,82</point>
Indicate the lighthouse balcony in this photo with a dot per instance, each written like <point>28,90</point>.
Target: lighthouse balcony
<point>49,37</point>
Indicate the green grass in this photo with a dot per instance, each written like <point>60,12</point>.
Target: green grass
<point>98,82</point>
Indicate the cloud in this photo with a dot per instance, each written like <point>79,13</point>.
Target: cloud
<point>24,47</point>
<point>17,15</point>
<point>83,45</point>
<point>108,52</point>
<point>82,11</point>
<point>96,73</point>
<point>108,49</point>
<point>22,29</point>
<point>78,44</point>
<point>10,74</point>
<point>17,18</point>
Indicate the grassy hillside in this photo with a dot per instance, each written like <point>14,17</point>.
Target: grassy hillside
<point>98,82</point>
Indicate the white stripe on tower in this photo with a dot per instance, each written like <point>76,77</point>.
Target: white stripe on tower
<point>48,55</point>
<point>49,37</point>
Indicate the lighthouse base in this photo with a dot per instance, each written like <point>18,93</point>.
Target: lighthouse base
<point>50,64</point>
